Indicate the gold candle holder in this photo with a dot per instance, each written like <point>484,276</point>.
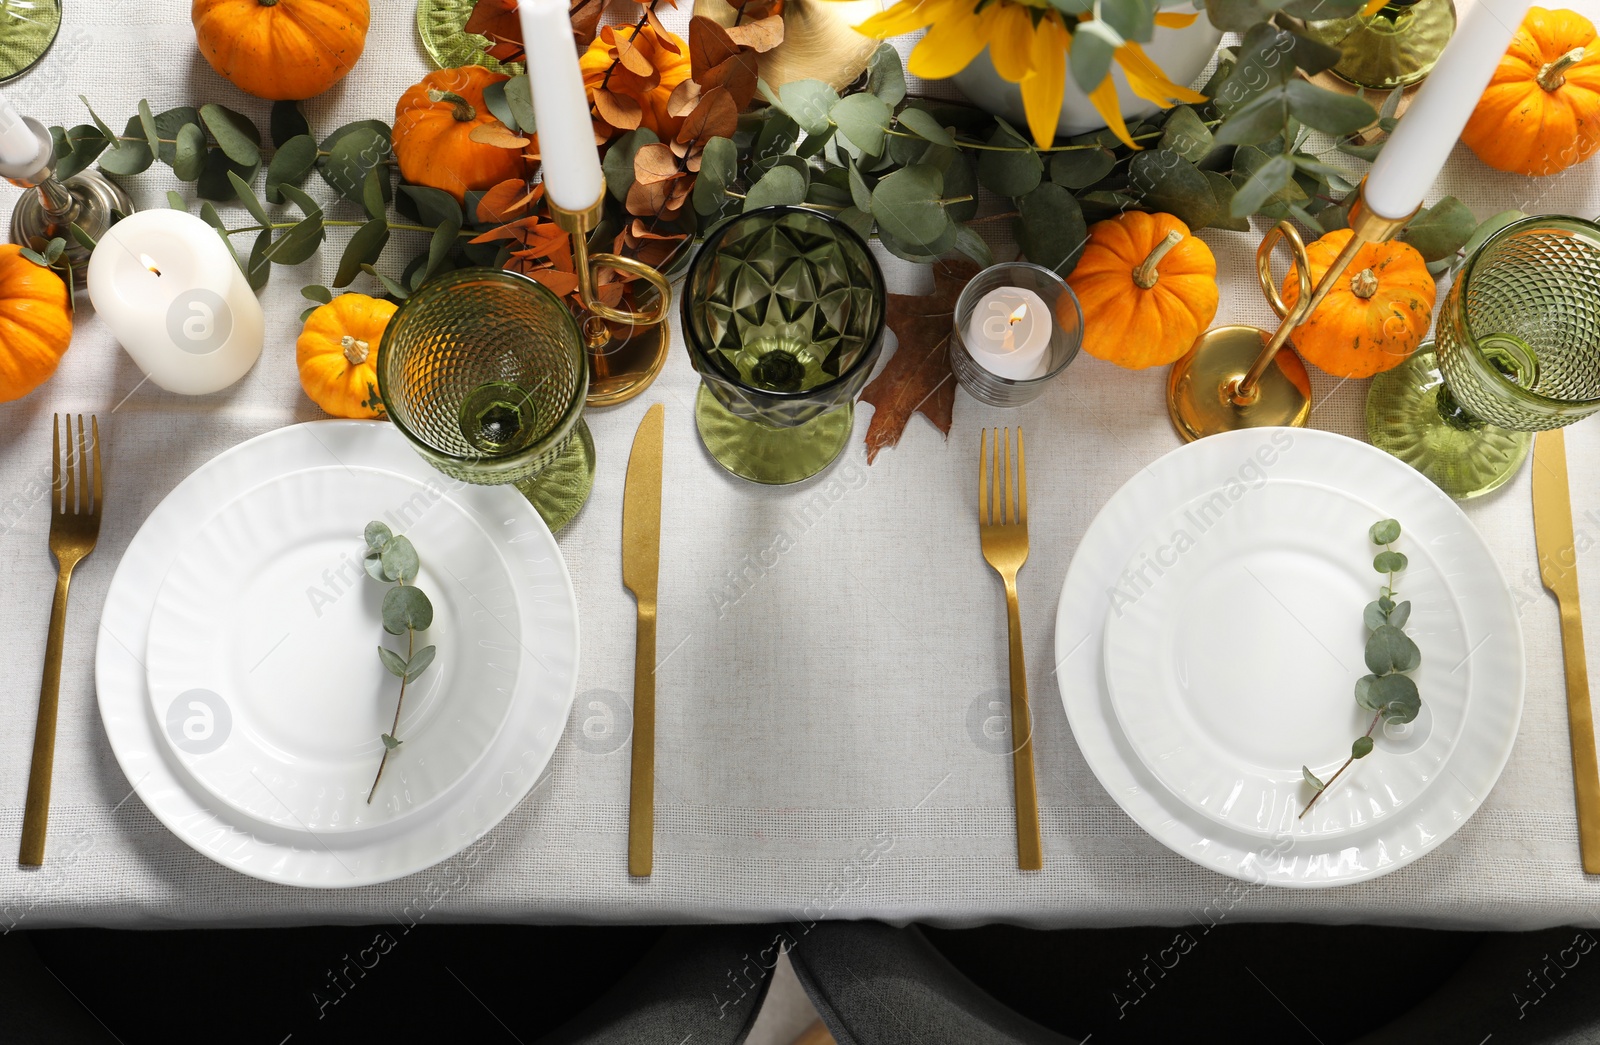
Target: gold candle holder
<point>621,365</point>
<point>1240,376</point>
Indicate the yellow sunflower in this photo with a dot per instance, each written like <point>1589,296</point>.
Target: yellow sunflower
<point>1029,47</point>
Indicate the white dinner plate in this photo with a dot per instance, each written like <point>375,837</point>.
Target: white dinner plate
<point>1232,651</point>
<point>544,645</point>
<point>1330,851</point>
<point>268,613</point>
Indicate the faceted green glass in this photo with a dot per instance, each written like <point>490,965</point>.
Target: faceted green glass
<point>485,373</point>
<point>27,29</point>
<point>1518,351</point>
<point>783,310</point>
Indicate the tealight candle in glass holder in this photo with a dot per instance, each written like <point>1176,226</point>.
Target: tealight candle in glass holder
<point>1016,326</point>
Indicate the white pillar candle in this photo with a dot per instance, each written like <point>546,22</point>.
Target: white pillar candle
<point>19,146</point>
<point>1417,150</point>
<point>172,293</point>
<point>572,178</point>
<point>1009,333</point>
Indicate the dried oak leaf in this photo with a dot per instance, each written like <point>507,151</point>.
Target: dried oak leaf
<point>918,378</point>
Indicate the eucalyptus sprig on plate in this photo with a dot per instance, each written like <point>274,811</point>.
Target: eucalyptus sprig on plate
<point>391,559</point>
<point>1388,692</point>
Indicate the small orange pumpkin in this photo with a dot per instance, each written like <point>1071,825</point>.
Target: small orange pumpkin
<point>1147,289</point>
<point>35,323</point>
<point>282,50</point>
<point>337,354</point>
<point>1374,319</point>
<point>434,124</point>
<point>1541,111</point>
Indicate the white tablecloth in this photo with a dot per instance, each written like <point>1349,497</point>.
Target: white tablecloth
<point>831,652</point>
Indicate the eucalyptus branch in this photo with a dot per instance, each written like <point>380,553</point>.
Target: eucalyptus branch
<point>1387,692</point>
<point>392,559</point>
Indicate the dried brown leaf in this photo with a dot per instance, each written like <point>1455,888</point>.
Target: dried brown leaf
<point>709,45</point>
<point>738,74</point>
<point>497,134</point>
<point>918,378</point>
<point>618,110</point>
<point>760,36</point>
<point>653,163</point>
<point>715,117</point>
<point>683,99</point>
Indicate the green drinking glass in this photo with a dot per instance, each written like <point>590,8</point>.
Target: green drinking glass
<point>27,29</point>
<point>484,372</point>
<point>1518,351</point>
<point>783,311</point>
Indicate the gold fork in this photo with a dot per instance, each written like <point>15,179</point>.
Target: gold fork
<point>1003,530</point>
<point>74,527</point>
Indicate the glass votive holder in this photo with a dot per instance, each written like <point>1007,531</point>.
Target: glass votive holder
<point>975,336</point>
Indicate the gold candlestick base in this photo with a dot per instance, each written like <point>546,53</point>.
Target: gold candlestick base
<point>626,348</point>
<point>1239,376</point>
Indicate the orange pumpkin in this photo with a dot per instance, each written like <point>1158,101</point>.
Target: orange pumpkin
<point>434,122</point>
<point>1541,111</point>
<point>1373,319</point>
<point>337,354</point>
<point>666,54</point>
<point>35,323</point>
<point>1147,289</point>
<point>281,49</point>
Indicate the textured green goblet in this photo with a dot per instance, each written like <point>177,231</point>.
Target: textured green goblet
<point>1518,351</point>
<point>783,311</point>
<point>27,29</point>
<point>485,373</point>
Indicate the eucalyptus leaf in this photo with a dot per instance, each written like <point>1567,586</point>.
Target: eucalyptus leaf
<point>974,246</point>
<point>782,185</point>
<point>400,560</point>
<point>1014,172</point>
<point>419,663</point>
<point>1051,229</point>
<point>175,200</point>
<point>1081,168</point>
<point>393,662</point>
<point>1374,616</point>
<point>1384,531</point>
<point>247,196</point>
<point>1184,133</point>
<point>1328,111</point>
<point>494,99</point>
<point>322,295</point>
<point>886,75</point>
<point>1397,698</point>
<point>364,248</point>
<point>308,206</point>
<point>618,163</point>
<point>519,96</point>
<point>1361,152</point>
<point>1314,56</point>
<point>352,151</point>
<point>1235,16</point>
<point>287,123</point>
<point>390,284</point>
<point>299,243</point>
<point>1441,230</point>
<point>189,152</point>
<point>214,182</point>
<point>389,743</point>
<point>1257,120</point>
<point>808,102</point>
<point>1311,778</point>
<point>1390,650</point>
<point>1223,191</point>
<point>1389,562</point>
<point>372,562</point>
<point>1090,57</point>
<point>258,267</point>
<point>131,155</point>
<point>718,169</point>
<point>1400,614</point>
<point>376,534</point>
<point>405,606</point>
<point>864,121</point>
<point>1269,180</point>
<point>1367,692</point>
<point>292,162</point>
<point>168,124</point>
<point>1361,748</point>
<point>1165,181</point>
<point>1488,228</point>
<point>77,150</point>
<point>860,192</point>
<point>235,135</point>
<point>147,125</point>
<point>434,206</point>
<point>906,205</point>
<point>858,220</point>
<point>439,247</point>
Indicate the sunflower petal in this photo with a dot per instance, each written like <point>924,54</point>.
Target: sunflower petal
<point>1174,20</point>
<point>1109,106</point>
<point>950,46</point>
<point>1147,80</point>
<point>1010,32</point>
<point>1043,88</point>
<point>1373,7</point>
<point>904,17</point>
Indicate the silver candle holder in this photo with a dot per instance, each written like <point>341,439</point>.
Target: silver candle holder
<point>51,206</point>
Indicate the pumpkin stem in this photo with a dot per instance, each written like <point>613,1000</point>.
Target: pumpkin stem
<point>465,112</point>
<point>355,350</point>
<point>1364,284</point>
<point>1145,275</point>
<point>1550,77</point>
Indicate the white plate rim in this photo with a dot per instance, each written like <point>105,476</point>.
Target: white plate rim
<point>523,750</point>
<point>1286,862</point>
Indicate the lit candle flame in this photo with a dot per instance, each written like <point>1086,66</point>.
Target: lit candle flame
<point>149,263</point>
<point>1019,315</point>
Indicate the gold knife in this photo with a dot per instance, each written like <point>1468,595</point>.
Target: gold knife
<point>1558,568</point>
<point>641,566</point>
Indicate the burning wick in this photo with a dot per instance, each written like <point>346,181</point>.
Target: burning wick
<point>149,263</point>
<point>1019,315</point>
